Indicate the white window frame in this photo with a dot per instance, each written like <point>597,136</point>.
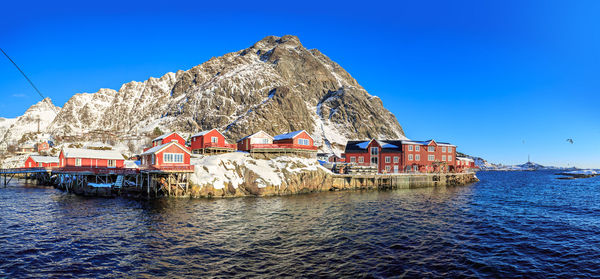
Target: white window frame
<point>444,149</point>
<point>361,159</point>
<point>78,162</point>
<point>388,169</point>
<point>450,149</point>
<point>352,159</point>
<point>303,142</point>
<point>214,139</point>
<point>173,158</point>
<point>443,157</point>
<point>396,159</point>
<point>111,163</point>
<point>410,148</point>
<point>388,159</point>
<point>417,148</point>
<point>430,158</point>
<point>395,168</point>
<point>410,157</point>
<point>449,158</point>
<point>417,157</point>
<point>430,148</point>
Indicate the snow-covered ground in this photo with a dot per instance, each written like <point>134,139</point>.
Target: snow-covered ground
<point>217,170</point>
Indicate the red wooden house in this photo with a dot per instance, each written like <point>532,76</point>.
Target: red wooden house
<point>297,139</point>
<point>294,143</point>
<point>77,157</point>
<point>210,142</point>
<point>429,156</point>
<point>35,161</point>
<point>42,146</point>
<point>395,156</point>
<point>384,155</point>
<point>464,164</point>
<point>168,137</point>
<point>170,156</point>
<point>259,138</point>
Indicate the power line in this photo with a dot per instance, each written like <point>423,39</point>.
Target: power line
<point>26,77</point>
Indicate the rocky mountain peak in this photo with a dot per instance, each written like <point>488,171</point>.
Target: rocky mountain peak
<point>275,85</point>
<point>35,120</point>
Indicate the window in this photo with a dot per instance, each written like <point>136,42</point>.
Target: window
<point>214,139</point>
<point>417,157</point>
<point>361,159</point>
<point>112,163</point>
<point>40,165</point>
<point>443,157</point>
<point>264,141</point>
<point>352,159</point>
<point>449,149</point>
<point>388,159</point>
<point>395,169</point>
<point>172,158</point>
<point>443,149</point>
<point>417,148</point>
<point>410,157</point>
<point>374,151</point>
<point>396,159</point>
<point>430,148</point>
<point>303,142</point>
<point>415,168</point>
<point>430,157</point>
<point>78,162</point>
<point>449,158</point>
<point>388,168</point>
<point>410,148</point>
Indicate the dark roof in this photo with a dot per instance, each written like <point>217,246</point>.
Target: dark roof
<point>360,146</point>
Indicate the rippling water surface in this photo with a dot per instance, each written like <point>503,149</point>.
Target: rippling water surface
<point>511,224</point>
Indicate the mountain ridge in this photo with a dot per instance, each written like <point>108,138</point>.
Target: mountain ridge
<point>275,85</point>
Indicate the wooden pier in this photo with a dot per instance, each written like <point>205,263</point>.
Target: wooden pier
<point>109,182</point>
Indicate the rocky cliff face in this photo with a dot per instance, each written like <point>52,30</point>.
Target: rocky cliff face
<point>276,85</point>
<point>36,119</point>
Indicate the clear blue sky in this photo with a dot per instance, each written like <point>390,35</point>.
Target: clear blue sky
<point>501,79</point>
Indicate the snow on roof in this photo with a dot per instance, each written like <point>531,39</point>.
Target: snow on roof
<point>129,164</point>
<point>161,147</point>
<point>388,145</point>
<point>464,159</point>
<point>44,159</point>
<point>205,132</point>
<point>163,136</point>
<point>91,153</point>
<point>251,136</point>
<point>290,135</point>
<point>426,142</point>
<point>363,144</point>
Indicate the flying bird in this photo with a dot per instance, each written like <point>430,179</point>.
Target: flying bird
<point>570,140</point>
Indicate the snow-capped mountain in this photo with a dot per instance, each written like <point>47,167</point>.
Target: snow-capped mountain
<point>276,85</point>
<point>25,128</point>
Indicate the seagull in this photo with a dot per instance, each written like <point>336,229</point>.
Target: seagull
<point>570,140</point>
